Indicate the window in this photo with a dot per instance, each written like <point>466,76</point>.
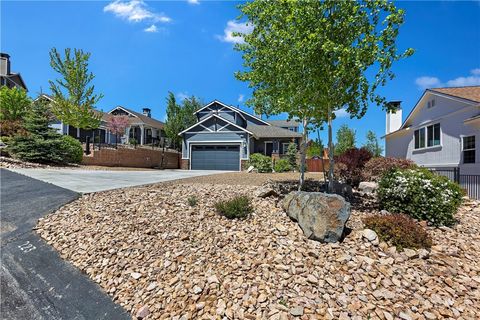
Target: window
<point>468,149</point>
<point>433,135</point>
<point>294,129</point>
<point>285,147</point>
<point>431,103</point>
<point>419,138</point>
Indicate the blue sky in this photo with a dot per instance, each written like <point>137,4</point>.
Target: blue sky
<point>142,50</point>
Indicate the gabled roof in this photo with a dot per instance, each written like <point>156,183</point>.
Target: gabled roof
<point>471,93</point>
<point>285,123</point>
<point>241,112</point>
<point>467,95</point>
<point>15,79</point>
<point>141,118</point>
<point>272,132</point>
<point>218,117</point>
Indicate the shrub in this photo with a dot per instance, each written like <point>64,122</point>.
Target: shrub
<point>236,208</point>
<point>420,194</point>
<point>260,162</point>
<point>192,201</point>
<point>282,165</point>
<point>72,150</point>
<point>349,165</point>
<point>399,230</point>
<point>376,167</point>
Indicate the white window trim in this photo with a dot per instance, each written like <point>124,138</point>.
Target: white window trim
<point>426,137</point>
<point>471,149</point>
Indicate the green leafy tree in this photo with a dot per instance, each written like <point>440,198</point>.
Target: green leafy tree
<point>312,58</point>
<point>372,144</point>
<point>180,117</point>
<point>174,119</point>
<point>345,139</point>
<point>73,94</point>
<point>14,103</point>
<point>315,148</point>
<point>41,143</point>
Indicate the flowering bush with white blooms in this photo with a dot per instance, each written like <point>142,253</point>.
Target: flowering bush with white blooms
<point>420,194</point>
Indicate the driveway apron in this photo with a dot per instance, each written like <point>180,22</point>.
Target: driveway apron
<point>35,282</point>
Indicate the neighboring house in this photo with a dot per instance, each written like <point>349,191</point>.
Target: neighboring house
<point>7,78</point>
<point>143,128</point>
<point>442,130</point>
<point>225,136</point>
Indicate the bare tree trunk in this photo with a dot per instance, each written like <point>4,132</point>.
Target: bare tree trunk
<point>303,154</point>
<point>330,152</point>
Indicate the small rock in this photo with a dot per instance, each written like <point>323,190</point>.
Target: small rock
<point>136,275</point>
<point>151,286</point>
<point>404,316</point>
<point>264,192</point>
<point>142,312</point>
<point>423,254</point>
<point>197,289</point>
<point>312,279</point>
<point>212,279</point>
<point>369,234</point>
<point>368,187</point>
<point>296,311</point>
<point>410,253</point>
<point>200,305</point>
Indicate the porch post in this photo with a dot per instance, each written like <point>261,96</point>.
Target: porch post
<point>142,135</point>
<point>127,134</point>
<point>78,132</point>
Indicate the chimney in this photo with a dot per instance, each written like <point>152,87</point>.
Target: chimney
<point>394,117</point>
<point>4,64</point>
<point>147,112</point>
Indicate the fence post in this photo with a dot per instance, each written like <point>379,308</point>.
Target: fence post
<point>457,175</point>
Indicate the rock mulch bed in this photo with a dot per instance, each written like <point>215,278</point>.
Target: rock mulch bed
<point>11,163</point>
<point>161,259</point>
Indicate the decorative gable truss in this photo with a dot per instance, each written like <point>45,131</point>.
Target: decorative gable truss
<point>214,124</point>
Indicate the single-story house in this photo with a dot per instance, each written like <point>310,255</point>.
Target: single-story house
<point>224,137</point>
<point>8,78</point>
<point>441,131</point>
<point>142,127</point>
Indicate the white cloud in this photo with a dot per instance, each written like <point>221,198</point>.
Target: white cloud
<point>134,11</point>
<point>232,27</point>
<point>240,98</point>
<point>427,82</point>
<point>193,1</point>
<point>341,113</point>
<point>464,81</point>
<point>432,82</point>
<point>152,28</point>
<point>182,96</point>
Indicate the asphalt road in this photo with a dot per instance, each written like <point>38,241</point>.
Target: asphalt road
<point>35,282</point>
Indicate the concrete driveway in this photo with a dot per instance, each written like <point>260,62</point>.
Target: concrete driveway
<point>35,282</point>
<point>86,181</point>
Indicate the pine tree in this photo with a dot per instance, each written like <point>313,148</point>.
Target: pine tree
<point>41,143</point>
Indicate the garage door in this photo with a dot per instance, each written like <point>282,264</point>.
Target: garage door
<point>221,157</point>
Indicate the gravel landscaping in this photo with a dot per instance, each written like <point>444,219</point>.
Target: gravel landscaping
<point>160,259</point>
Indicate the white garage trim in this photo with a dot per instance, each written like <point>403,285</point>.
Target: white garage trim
<point>226,143</point>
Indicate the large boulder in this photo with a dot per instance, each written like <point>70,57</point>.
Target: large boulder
<point>321,216</point>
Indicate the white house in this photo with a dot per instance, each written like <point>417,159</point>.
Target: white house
<point>442,130</point>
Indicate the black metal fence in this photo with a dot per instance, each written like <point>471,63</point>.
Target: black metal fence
<point>469,182</point>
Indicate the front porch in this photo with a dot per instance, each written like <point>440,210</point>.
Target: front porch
<point>272,146</point>
<point>142,135</point>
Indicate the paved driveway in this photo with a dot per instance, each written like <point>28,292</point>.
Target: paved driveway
<point>35,282</point>
<point>86,181</point>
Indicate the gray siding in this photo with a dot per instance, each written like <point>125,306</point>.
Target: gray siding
<point>450,114</point>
